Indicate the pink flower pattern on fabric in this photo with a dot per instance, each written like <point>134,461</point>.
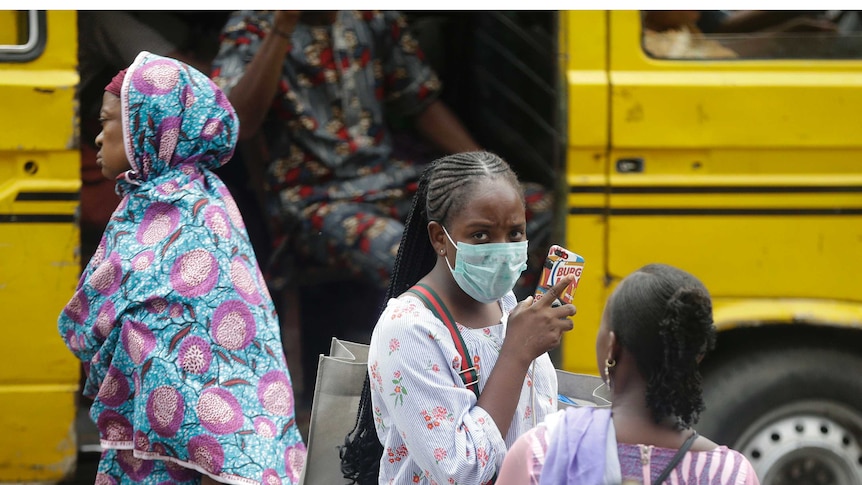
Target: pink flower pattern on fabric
<point>399,391</point>
<point>449,438</point>
<point>172,319</point>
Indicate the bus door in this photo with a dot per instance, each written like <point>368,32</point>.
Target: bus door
<point>39,184</point>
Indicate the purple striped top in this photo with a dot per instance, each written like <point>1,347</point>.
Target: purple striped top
<point>640,464</point>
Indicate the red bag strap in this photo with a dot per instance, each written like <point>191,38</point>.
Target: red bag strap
<point>469,373</point>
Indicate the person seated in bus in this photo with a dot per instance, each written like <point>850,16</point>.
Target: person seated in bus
<point>655,329</point>
<point>314,91</point>
<point>674,34</point>
<point>171,319</point>
<point>677,34</point>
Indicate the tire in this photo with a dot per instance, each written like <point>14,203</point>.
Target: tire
<point>796,413</point>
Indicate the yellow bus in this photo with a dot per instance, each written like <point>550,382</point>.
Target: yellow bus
<point>39,184</point>
<point>733,156</point>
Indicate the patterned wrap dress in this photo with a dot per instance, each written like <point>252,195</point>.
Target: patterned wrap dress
<point>171,318</point>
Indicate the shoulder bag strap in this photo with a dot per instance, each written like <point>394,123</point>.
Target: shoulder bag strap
<point>468,371</point>
<point>676,458</point>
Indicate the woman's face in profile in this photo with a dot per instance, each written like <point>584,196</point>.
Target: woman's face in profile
<point>112,154</point>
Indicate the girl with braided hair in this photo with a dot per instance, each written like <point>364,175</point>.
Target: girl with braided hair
<point>656,328</point>
<point>465,242</point>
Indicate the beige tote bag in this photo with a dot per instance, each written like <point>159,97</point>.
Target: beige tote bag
<point>340,376</point>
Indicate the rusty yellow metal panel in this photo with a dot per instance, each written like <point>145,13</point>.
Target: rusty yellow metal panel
<point>743,172</point>
<point>585,234</point>
<point>731,312</point>
<point>39,443</point>
<point>732,109</point>
<point>60,51</point>
<point>750,169</point>
<point>9,31</point>
<point>582,35</point>
<point>39,239</point>
<point>39,95</point>
<point>583,39</point>
<point>50,127</point>
<point>729,103</point>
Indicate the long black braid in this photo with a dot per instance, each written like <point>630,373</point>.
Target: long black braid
<point>663,316</point>
<point>443,190</point>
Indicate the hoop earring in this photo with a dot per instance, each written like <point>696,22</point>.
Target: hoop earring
<point>609,364</point>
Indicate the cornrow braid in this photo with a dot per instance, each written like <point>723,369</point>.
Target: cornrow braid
<point>663,316</point>
<point>360,455</point>
<point>442,191</point>
<point>454,174</point>
<point>415,248</point>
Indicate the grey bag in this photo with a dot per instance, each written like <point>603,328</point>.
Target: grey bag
<point>582,390</point>
<point>340,376</point>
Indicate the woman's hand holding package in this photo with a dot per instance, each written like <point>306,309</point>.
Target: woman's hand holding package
<point>536,327</point>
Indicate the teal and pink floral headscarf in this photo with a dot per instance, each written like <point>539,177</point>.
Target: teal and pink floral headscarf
<point>172,318</point>
<point>174,118</point>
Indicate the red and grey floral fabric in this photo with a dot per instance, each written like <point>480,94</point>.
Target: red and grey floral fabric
<point>332,181</point>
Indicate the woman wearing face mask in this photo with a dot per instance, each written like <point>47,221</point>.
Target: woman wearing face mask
<point>464,242</point>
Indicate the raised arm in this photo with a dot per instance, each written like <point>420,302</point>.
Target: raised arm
<point>253,93</point>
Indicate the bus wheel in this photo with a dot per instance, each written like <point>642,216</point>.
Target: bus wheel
<point>795,413</point>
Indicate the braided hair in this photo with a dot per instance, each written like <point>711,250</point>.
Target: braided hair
<point>663,316</point>
<point>443,190</point>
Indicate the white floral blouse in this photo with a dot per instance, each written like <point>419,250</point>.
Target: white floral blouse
<point>432,430</point>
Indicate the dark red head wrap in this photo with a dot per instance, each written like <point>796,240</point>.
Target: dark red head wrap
<point>116,84</point>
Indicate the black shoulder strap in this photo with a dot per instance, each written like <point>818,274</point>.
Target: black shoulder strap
<point>676,458</point>
<point>435,304</point>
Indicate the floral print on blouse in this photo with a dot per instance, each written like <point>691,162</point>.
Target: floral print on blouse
<point>431,428</point>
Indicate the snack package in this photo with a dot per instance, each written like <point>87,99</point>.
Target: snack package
<point>560,263</point>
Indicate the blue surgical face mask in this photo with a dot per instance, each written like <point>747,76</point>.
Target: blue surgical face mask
<point>488,271</point>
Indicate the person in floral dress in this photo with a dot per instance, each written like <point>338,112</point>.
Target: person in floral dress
<point>171,318</point>
<point>318,88</point>
<point>466,240</point>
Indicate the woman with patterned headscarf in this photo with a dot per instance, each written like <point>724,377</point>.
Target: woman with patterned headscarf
<point>172,319</point>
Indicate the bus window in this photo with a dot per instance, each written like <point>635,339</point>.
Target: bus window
<point>22,35</point>
<point>751,34</point>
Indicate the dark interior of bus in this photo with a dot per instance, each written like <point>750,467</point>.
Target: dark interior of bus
<point>500,75</point>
